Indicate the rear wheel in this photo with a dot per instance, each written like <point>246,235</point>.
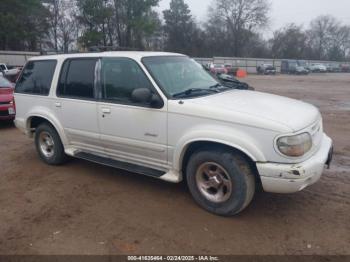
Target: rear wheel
<point>220,181</point>
<point>49,146</point>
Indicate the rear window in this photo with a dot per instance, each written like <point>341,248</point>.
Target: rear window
<point>36,78</point>
<point>77,79</point>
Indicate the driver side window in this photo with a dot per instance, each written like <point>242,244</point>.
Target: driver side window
<point>120,77</point>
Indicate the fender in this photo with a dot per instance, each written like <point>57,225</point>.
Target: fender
<point>47,114</point>
<point>222,135</point>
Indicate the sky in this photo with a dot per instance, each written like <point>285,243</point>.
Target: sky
<point>283,11</point>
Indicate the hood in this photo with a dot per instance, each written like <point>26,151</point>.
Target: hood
<point>6,94</point>
<point>261,108</point>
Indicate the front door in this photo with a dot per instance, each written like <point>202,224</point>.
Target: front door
<point>130,131</point>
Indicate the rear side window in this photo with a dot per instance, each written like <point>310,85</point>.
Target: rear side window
<point>36,78</point>
<point>77,79</point>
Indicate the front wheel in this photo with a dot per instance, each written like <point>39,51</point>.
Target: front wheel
<point>220,181</point>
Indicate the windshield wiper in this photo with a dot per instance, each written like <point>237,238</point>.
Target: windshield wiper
<point>215,86</point>
<point>191,91</point>
<point>220,87</point>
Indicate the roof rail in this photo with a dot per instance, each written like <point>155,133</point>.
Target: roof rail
<point>111,48</point>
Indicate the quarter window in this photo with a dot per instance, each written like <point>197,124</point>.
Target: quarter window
<point>77,79</point>
<point>36,78</point>
<point>120,77</point>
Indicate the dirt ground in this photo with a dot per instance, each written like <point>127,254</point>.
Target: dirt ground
<point>85,208</point>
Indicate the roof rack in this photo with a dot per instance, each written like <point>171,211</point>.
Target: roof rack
<point>111,48</point>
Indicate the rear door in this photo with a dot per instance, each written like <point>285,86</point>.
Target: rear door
<point>76,105</point>
<point>131,132</point>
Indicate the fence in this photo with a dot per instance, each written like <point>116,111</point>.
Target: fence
<point>15,58</point>
<point>250,64</point>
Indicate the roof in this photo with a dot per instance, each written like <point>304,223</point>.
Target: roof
<point>137,55</point>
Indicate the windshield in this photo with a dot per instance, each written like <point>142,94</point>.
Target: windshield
<point>4,83</point>
<point>178,74</point>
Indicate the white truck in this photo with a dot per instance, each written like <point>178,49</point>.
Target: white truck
<point>9,72</point>
<point>318,68</point>
<point>161,115</point>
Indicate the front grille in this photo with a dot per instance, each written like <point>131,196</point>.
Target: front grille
<point>4,113</point>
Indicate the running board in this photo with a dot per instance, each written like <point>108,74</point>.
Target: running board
<point>120,165</point>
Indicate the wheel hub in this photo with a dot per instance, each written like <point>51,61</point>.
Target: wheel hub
<point>213,182</point>
<point>46,144</point>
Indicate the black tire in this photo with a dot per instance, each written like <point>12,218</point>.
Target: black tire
<point>240,173</point>
<point>58,156</point>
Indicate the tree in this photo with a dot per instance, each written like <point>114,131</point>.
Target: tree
<point>155,39</point>
<point>257,46</point>
<point>95,16</point>
<point>289,42</point>
<point>67,26</point>
<point>124,23</point>
<point>339,47</point>
<point>320,36</point>
<point>62,24</point>
<point>53,19</point>
<point>239,19</point>
<point>328,39</point>
<point>23,24</point>
<point>179,27</point>
<point>139,21</point>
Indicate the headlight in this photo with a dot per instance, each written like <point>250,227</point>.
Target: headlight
<point>295,146</point>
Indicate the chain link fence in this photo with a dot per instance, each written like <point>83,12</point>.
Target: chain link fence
<point>250,64</point>
<point>14,58</point>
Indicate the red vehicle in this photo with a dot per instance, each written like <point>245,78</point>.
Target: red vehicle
<point>231,70</point>
<point>7,102</point>
<point>218,69</point>
<point>345,68</point>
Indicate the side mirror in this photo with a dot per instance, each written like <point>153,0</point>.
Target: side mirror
<point>145,96</point>
<point>141,95</point>
<point>156,101</point>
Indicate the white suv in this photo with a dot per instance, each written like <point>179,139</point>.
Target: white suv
<point>161,115</point>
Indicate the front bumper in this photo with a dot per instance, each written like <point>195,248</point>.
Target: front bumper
<point>291,178</point>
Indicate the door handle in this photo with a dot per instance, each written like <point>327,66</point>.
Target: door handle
<point>106,111</point>
<point>58,104</point>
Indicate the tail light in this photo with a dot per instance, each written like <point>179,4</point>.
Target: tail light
<point>13,103</point>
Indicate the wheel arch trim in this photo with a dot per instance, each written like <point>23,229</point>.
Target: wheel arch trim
<point>250,151</point>
<point>49,118</point>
